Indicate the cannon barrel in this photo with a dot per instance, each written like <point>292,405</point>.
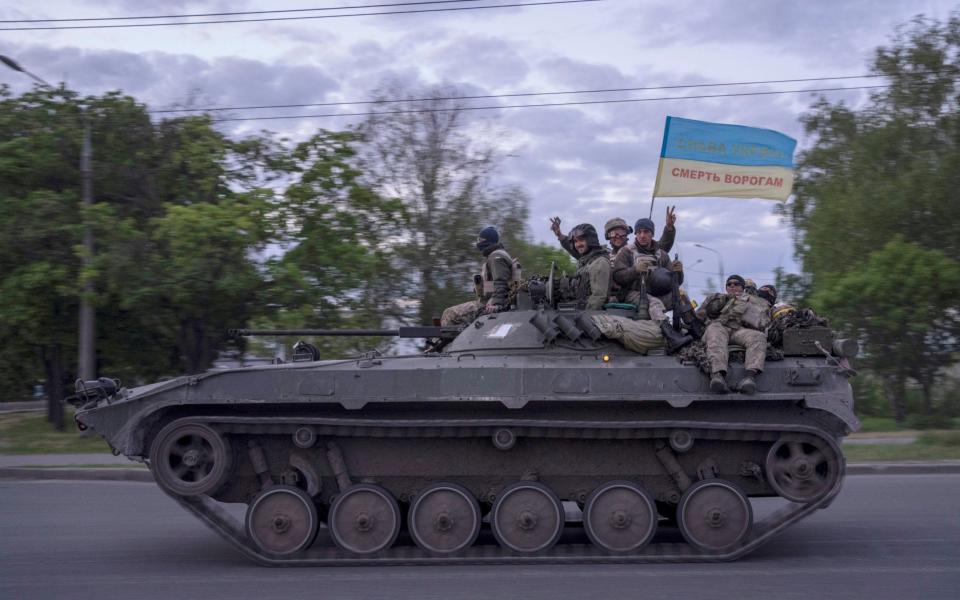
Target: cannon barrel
<point>403,332</point>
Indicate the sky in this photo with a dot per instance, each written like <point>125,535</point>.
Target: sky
<point>585,163</point>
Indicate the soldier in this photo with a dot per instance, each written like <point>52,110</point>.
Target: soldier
<point>741,318</point>
<point>768,293</point>
<point>492,284</point>
<point>591,283</point>
<point>652,329</point>
<point>643,258</point>
<point>617,232</point>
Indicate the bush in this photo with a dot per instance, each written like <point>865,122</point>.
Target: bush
<point>932,421</point>
<point>940,438</point>
<point>869,400</point>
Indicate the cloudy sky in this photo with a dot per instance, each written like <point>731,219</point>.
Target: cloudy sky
<point>583,163</point>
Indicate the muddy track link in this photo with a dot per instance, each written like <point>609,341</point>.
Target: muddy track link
<point>218,519</point>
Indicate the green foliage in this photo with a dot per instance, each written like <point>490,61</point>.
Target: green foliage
<point>878,424</point>
<point>929,421</point>
<point>536,258</point>
<point>196,233</point>
<point>875,216</point>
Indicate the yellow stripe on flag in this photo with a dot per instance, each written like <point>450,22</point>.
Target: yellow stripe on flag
<point>680,177</point>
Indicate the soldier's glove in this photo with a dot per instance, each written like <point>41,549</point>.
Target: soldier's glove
<point>644,263</point>
<point>677,266</point>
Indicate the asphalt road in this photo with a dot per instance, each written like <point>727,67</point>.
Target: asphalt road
<point>885,537</point>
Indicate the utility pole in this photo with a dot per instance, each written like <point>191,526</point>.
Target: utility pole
<point>87,358</point>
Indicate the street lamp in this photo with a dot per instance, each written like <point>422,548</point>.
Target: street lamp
<point>719,262</point>
<point>16,67</point>
<point>86,362</point>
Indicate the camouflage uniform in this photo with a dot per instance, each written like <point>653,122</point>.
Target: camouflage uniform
<point>639,336</point>
<point>593,279</point>
<point>494,289</point>
<point>740,319</point>
<point>625,274</point>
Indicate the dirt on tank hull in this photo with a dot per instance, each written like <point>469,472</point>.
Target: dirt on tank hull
<point>517,442</point>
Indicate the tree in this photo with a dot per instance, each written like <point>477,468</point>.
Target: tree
<point>891,168</point>
<point>902,304</point>
<point>177,217</point>
<point>339,265</point>
<point>427,155</point>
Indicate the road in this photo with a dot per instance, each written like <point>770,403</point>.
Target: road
<point>885,537</point>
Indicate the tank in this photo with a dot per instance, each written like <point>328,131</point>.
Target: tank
<point>528,437</point>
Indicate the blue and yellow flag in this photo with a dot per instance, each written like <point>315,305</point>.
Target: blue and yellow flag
<point>714,159</point>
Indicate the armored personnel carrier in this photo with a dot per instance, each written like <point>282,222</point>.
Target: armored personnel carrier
<point>527,437</point>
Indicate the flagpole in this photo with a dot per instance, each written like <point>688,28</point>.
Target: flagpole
<point>656,184</point>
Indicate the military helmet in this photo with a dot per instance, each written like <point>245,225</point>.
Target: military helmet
<point>782,310</point>
<point>616,223</point>
<point>768,293</point>
<point>588,231</point>
<point>487,237</point>
<point>660,282</point>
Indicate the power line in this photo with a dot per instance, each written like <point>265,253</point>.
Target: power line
<point>302,17</point>
<point>239,13</point>
<point>515,95</point>
<point>543,105</point>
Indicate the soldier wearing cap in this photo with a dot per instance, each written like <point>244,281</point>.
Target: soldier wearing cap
<point>492,284</point>
<point>644,257</point>
<point>741,318</point>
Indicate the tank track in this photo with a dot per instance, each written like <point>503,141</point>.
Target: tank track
<point>231,529</point>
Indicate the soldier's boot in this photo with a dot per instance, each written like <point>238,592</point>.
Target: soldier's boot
<point>718,383</point>
<point>673,340</point>
<point>747,385</point>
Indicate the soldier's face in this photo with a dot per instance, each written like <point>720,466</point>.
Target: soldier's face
<point>580,243</point>
<point>644,237</point>
<point>618,237</point>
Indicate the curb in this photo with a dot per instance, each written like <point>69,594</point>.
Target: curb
<point>92,474</point>
<point>904,468</point>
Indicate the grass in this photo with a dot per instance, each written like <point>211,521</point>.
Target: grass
<point>930,445</point>
<point>30,433</point>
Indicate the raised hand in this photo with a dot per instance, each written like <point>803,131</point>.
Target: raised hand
<point>555,226</point>
<point>671,216</point>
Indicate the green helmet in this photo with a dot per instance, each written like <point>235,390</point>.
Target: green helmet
<point>615,223</point>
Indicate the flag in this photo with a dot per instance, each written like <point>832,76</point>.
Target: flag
<point>715,159</point>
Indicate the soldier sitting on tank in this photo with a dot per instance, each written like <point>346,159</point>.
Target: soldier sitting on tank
<point>590,285</point>
<point>741,318</point>
<point>646,255</point>
<point>637,335</point>
<point>651,329</point>
<point>492,284</point>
